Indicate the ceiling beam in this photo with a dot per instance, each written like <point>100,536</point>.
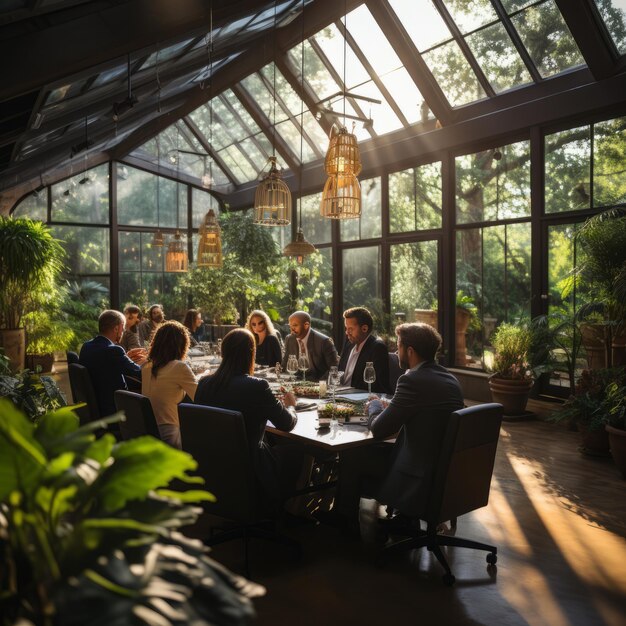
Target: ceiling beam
<point>591,37</point>
<point>68,48</point>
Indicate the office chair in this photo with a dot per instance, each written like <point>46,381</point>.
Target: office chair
<point>461,483</point>
<point>140,418</point>
<point>217,440</point>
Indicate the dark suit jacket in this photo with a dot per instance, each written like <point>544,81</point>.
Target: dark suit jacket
<point>423,399</point>
<point>107,365</point>
<point>374,350</point>
<point>322,354</point>
<point>253,398</point>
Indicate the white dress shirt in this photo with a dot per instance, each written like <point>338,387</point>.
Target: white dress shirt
<point>352,359</point>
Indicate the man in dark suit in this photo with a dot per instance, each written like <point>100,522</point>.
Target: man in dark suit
<point>319,348</point>
<point>107,363</point>
<point>360,348</point>
<point>400,474</point>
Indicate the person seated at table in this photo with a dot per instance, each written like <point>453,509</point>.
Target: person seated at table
<point>319,348</point>
<point>361,347</point>
<point>154,319</point>
<point>130,338</point>
<point>193,321</point>
<point>400,474</point>
<point>166,378</point>
<point>107,362</point>
<point>233,387</point>
<point>268,350</point>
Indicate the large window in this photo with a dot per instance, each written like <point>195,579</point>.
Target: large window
<point>368,226</point>
<point>361,280</point>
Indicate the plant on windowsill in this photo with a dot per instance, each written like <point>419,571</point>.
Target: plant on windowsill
<point>44,337</point>
<point>590,407</point>
<point>512,376</point>
<point>90,531</point>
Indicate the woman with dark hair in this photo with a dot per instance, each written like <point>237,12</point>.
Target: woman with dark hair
<point>166,378</point>
<point>268,350</point>
<point>192,321</point>
<point>233,387</point>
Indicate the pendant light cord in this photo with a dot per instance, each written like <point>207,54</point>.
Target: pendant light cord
<point>274,89</point>
<point>301,168</point>
<point>345,46</point>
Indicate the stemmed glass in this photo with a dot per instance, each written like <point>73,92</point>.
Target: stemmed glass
<point>303,365</point>
<point>334,380</point>
<point>369,376</point>
<point>292,365</point>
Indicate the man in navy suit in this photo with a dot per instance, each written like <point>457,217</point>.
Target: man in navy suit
<point>400,474</point>
<point>360,348</point>
<point>107,362</point>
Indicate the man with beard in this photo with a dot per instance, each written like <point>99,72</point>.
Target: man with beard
<point>148,327</point>
<point>400,474</point>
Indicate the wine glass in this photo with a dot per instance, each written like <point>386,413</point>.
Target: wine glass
<point>303,365</point>
<point>292,365</point>
<point>369,376</point>
<point>334,379</point>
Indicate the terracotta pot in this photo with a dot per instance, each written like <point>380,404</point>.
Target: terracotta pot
<point>617,443</point>
<point>13,341</point>
<point>594,442</point>
<point>594,342</point>
<point>463,318</point>
<point>427,316</point>
<point>42,361</point>
<point>512,394</point>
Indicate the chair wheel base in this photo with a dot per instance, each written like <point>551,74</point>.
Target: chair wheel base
<point>492,558</point>
<point>448,580</point>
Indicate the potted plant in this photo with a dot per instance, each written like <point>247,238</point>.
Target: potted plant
<point>89,531</point>
<point>30,258</point>
<point>512,377</point>
<point>589,409</point>
<point>615,408</point>
<point>601,278</point>
<point>44,337</point>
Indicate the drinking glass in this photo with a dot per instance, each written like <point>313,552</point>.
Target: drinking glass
<point>292,365</point>
<point>369,376</point>
<point>334,379</point>
<point>303,365</point>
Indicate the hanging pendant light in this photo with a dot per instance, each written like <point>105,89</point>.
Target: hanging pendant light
<point>343,155</point>
<point>210,246</point>
<point>176,259</point>
<point>341,198</point>
<point>300,247</point>
<point>272,200</point>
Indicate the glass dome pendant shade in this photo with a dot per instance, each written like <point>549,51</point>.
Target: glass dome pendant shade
<point>176,259</point>
<point>210,246</point>
<point>299,247</point>
<point>272,200</point>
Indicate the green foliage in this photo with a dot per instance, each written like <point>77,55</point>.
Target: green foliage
<point>32,393</point>
<point>43,335</point>
<point>512,344</point>
<point>30,260</point>
<point>599,398</point>
<point>467,302</point>
<point>89,530</point>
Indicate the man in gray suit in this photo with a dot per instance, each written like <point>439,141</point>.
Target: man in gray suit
<point>400,474</point>
<point>319,348</point>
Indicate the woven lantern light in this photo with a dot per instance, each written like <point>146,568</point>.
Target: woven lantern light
<point>341,198</point>
<point>272,200</point>
<point>210,246</point>
<point>342,156</point>
<point>176,259</point>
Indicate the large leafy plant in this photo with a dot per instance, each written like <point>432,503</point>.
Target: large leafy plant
<point>89,531</point>
<point>32,393</point>
<point>512,345</point>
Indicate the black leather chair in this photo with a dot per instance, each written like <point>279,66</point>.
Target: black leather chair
<point>216,438</point>
<point>82,391</point>
<point>72,357</point>
<point>460,484</point>
<point>140,418</point>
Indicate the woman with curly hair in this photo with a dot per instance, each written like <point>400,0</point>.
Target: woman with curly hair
<point>166,378</point>
<point>268,350</point>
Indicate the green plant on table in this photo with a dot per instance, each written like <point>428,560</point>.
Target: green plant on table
<point>89,531</point>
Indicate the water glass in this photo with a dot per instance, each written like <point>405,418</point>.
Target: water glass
<point>303,365</point>
<point>369,376</point>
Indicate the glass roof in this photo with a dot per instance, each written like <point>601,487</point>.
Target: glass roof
<point>613,13</point>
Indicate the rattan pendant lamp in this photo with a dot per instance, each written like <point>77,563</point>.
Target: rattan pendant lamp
<point>272,199</point>
<point>210,244</point>
<point>300,247</point>
<point>341,198</point>
<point>176,257</point>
